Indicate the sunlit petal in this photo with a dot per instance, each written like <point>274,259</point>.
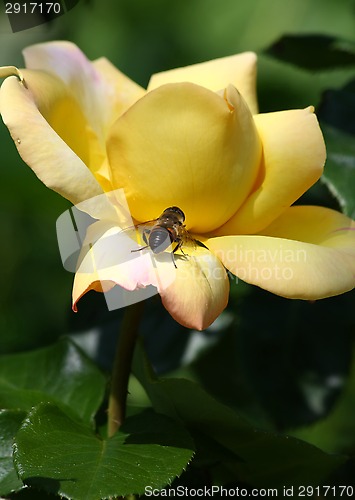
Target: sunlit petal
<point>308,253</point>
<point>293,158</point>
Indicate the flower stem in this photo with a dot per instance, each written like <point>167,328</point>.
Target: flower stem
<point>122,367</point>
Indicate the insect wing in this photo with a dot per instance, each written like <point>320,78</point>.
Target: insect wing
<point>186,238</point>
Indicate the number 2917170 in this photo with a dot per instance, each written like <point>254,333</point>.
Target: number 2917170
<point>33,8</point>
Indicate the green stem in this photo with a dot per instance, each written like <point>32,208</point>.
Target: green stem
<point>122,367</point>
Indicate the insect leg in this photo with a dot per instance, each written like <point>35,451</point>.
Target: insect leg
<point>178,245</point>
<point>139,249</point>
<point>173,259</point>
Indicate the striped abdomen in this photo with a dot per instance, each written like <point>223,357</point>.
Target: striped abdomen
<point>160,238</point>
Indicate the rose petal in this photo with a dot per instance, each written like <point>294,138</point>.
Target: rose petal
<point>59,166</point>
<point>97,87</point>
<point>186,146</point>
<point>200,291</point>
<point>307,253</point>
<point>293,158</point>
<point>238,70</point>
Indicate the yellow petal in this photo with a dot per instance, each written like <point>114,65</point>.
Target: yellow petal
<point>307,253</point>
<point>31,115</point>
<point>238,70</point>
<point>200,291</point>
<point>293,158</point>
<point>184,145</point>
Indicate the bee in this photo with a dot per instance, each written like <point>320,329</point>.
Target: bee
<point>167,230</point>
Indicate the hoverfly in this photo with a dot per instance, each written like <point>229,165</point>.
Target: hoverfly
<point>168,229</point>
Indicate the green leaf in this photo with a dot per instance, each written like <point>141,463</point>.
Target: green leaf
<point>339,174</point>
<point>60,373</point>
<point>337,108</point>
<point>263,459</point>
<point>10,421</point>
<point>314,52</point>
<point>59,455</point>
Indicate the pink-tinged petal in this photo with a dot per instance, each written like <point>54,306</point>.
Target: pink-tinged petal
<point>97,87</point>
<point>186,146</point>
<point>32,114</point>
<point>109,256</point>
<point>199,292</point>
<point>101,91</point>
<point>293,158</point>
<point>195,292</point>
<point>238,70</point>
<point>307,253</point>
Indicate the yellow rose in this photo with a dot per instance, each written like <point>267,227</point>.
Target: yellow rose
<point>193,139</point>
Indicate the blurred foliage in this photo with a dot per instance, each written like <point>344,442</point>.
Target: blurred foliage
<point>284,366</point>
